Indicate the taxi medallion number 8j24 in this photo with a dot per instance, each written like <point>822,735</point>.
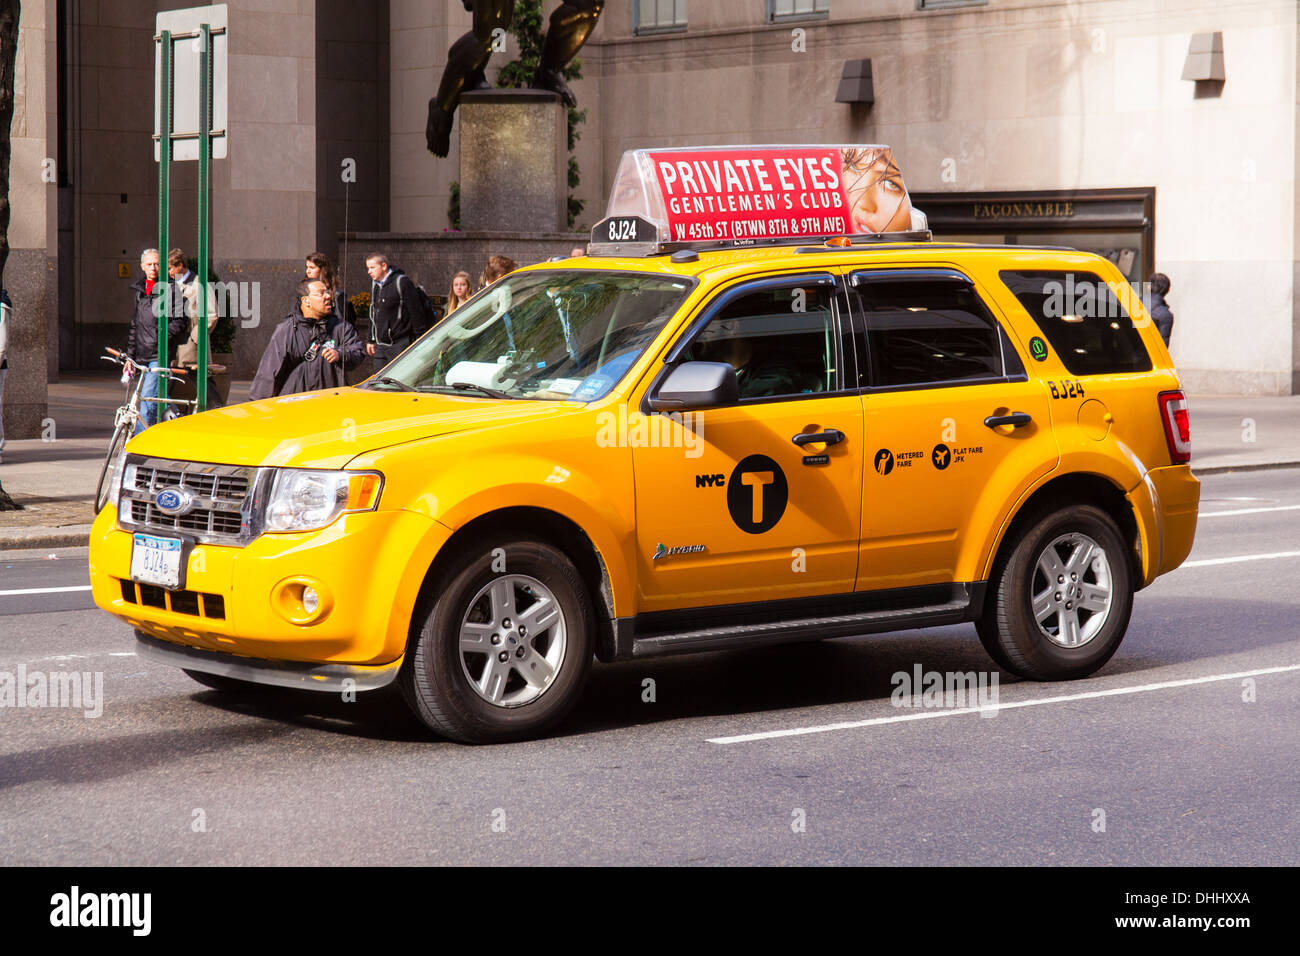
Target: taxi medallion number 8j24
<point>622,229</point>
<point>1066,389</point>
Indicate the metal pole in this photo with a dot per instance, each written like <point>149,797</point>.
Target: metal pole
<point>164,190</point>
<point>205,187</point>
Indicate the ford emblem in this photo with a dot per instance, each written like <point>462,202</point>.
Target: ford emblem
<point>174,501</point>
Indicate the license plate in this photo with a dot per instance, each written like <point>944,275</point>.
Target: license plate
<point>156,560</point>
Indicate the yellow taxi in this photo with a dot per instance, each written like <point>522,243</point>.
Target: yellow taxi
<point>765,407</point>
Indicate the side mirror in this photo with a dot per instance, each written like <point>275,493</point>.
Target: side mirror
<point>696,385</point>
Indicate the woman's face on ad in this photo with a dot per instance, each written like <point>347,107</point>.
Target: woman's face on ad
<point>876,197</point>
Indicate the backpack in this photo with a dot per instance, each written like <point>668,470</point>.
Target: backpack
<point>427,316</point>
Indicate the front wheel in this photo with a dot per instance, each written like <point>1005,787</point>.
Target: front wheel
<point>504,648</point>
<point>1061,601</point>
<point>106,471</point>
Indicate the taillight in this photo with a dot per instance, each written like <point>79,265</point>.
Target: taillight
<point>1178,426</point>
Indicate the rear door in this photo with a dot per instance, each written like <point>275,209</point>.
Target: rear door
<point>954,429</point>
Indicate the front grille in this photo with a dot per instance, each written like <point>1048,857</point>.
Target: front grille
<point>223,506</point>
<point>224,487</point>
<point>194,603</point>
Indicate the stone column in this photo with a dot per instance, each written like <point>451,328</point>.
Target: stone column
<point>514,161</point>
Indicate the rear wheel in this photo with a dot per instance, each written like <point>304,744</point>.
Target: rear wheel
<point>504,647</point>
<point>1061,601</point>
<point>106,470</point>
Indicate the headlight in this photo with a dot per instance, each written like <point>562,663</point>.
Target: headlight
<point>122,473</point>
<point>307,500</point>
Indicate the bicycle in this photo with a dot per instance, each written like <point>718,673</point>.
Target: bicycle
<point>127,416</point>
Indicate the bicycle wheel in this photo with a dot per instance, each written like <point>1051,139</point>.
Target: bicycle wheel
<point>106,470</point>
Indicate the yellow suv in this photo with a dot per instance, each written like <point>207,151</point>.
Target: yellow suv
<point>667,447</point>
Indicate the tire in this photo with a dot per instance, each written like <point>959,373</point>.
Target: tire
<point>1072,628</point>
<point>115,447</point>
<point>474,696</point>
<point>217,681</point>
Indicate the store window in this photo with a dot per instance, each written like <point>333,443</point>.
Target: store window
<point>1116,224</point>
<point>796,9</point>
<point>658,16</point>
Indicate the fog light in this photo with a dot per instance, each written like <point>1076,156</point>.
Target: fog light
<point>302,600</point>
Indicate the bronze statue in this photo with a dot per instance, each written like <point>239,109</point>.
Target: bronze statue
<point>571,24</point>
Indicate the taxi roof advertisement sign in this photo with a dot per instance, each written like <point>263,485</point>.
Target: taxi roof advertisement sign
<point>757,193</point>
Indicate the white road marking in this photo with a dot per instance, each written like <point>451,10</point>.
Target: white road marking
<point>1206,562</point>
<point>80,587</point>
<point>60,658</point>
<point>927,715</point>
<point>1247,511</point>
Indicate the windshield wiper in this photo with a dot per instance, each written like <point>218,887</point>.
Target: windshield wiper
<point>386,380</point>
<point>470,386</point>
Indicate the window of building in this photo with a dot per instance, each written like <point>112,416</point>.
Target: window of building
<point>921,331</point>
<point>792,9</point>
<point>658,16</point>
<point>780,340</point>
<point>1082,319</point>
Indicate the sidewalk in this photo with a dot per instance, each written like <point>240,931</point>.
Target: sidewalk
<point>55,480</point>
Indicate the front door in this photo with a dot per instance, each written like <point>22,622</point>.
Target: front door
<point>730,508</point>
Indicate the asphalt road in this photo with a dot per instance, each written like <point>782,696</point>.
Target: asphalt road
<point>722,767</point>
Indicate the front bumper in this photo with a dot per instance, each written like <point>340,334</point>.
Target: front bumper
<point>367,569</point>
<point>333,678</point>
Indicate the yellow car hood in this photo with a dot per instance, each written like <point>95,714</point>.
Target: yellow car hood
<point>327,429</point>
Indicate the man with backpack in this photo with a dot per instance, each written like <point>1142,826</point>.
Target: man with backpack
<point>400,311</point>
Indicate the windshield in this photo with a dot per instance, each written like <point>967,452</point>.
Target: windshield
<point>553,334</point>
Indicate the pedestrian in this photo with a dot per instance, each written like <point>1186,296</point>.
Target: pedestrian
<point>309,350</point>
<point>395,312</point>
<point>1161,314</point>
<point>577,252</point>
<point>142,339</point>
<point>187,353</point>
<point>460,292</point>
<point>318,266</point>
<point>6,309</point>
<point>497,267</point>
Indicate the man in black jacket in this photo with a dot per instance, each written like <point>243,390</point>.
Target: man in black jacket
<point>142,339</point>
<point>308,351</point>
<point>395,314</point>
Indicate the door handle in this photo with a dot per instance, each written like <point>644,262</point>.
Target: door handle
<point>831,436</point>
<point>1015,419</point>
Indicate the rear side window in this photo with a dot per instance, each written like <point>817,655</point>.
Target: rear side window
<point>1082,319</point>
<point>922,331</point>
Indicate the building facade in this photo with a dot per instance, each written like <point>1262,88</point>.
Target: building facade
<point>1019,121</point>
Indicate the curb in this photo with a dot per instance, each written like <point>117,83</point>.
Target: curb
<point>1246,466</point>
<point>71,536</point>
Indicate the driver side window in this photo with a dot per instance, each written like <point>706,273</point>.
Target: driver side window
<point>781,341</point>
